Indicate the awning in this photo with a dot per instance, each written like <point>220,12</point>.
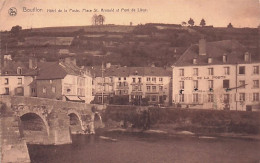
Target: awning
<point>74,99</point>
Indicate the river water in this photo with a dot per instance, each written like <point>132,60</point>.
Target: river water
<point>147,148</point>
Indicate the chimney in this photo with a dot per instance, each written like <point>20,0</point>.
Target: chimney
<point>202,46</point>
<point>32,63</point>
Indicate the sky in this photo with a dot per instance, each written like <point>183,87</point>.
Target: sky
<point>241,13</point>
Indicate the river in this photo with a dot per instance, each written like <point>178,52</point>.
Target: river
<point>147,148</point>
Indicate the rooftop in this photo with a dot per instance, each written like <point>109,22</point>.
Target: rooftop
<point>232,49</point>
<point>128,71</point>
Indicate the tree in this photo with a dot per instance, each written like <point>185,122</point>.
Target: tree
<point>183,23</point>
<point>101,19</point>
<point>230,25</point>
<point>202,22</point>
<point>16,30</point>
<point>191,22</point>
<point>98,19</point>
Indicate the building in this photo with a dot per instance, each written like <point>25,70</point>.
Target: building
<point>133,83</point>
<point>16,77</point>
<point>217,75</point>
<point>64,80</point>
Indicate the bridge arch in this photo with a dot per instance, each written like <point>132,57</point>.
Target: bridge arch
<point>38,117</point>
<point>74,114</point>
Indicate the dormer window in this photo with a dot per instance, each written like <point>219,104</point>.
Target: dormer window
<point>210,60</point>
<point>194,60</point>
<point>224,58</point>
<point>19,70</point>
<point>247,57</point>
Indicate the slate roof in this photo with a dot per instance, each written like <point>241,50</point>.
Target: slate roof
<point>129,71</point>
<point>233,49</point>
<point>55,70</point>
<point>10,69</point>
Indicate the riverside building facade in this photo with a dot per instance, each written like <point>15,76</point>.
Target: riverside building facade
<point>221,75</point>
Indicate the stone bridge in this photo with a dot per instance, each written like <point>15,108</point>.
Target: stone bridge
<point>41,121</point>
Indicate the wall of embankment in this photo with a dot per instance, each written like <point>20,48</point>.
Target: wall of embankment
<point>197,121</point>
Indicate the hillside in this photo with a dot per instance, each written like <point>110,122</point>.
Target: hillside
<point>142,45</point>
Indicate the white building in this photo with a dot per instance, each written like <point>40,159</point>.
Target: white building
<point>15,78</point>
<point>217,75</point>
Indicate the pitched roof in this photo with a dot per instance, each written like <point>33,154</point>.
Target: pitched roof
<point>128,71</point>
<point>215,50</point>
<point>10,69</point>
<point>55,70</point>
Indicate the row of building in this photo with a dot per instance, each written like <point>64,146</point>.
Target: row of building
<point>209,75</point>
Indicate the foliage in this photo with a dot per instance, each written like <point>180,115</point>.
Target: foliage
<point>16,30</point>
<point>230,25</point>
<point>98,19</point>
<point>202,22</point>
<point>191,22</point>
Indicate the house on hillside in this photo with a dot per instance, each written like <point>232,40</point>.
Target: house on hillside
<point>220,75</point>
<point>16,77</point>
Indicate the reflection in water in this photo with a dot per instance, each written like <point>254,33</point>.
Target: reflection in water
<point>143,147</point>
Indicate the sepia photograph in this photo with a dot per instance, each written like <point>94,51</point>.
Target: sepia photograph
<point>129,81</point>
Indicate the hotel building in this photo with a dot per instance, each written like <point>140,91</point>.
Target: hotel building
<point>221,75</point>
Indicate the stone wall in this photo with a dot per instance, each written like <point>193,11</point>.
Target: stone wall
<point>194,120</point>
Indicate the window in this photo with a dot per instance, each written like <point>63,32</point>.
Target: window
<point>181,98</point>
<point>255,83</point>
<point>154,88</point>
<point>133,80</point>
<point>210,97</point>
<point>195,72</point>
<point>242,96</point>
<point>255,96</point>
<point>154,98</point>
<point>194,60</point>
<point>181,84</point>
<point>33,90</point>
<point>210,84</point>
<point>224,59</point>
<point>154,79</point>
<point>148,88</point>
<point>148,79</point>
<point>226,70</point>
<point>125,83</point>
<point>226,98</point>
<point>7,91</point>
<point>124,78</point>
<point>225,83</point>
<point>53,89</point>
<point>160,88</point>
<point>6,81</point>
<point>211,71</point>
<point>19,70</point>
<point>139,88</point>
<point>210,60</point>
<point>139,80</point>
<point>119,78</point>
<point>256,70</point>
<point>195,98</point>
<point>181,72</point>
<point>119,84</point>
<point>241,70</point>
<point>43,90</point>
<point>242,83</point>
<point>19,81</point>
<point>195,84</point>
<point>51,81</point>
<point>160,79</point>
